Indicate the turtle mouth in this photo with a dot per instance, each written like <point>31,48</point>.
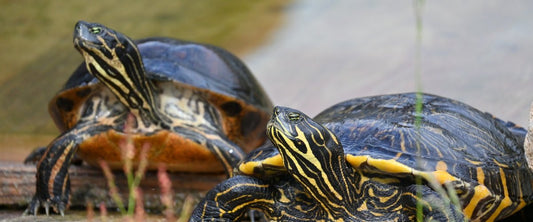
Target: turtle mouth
<point>273,120</point>
<point>271,128</point>
<point>85,46</point>
<point>274,126</point>
<point>79,45</point>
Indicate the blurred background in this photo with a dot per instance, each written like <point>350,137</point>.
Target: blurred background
<point>307,54</point>
<point>37,54</point>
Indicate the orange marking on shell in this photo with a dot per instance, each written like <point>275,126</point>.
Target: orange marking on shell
<point>176,152</point>
<point>247,138</point>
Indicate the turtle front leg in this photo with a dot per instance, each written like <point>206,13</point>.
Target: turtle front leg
<point>436,207</point>
<point>228,153</point>
<point>52,181</point>
<point>52,186</point>
<point>231,199</point>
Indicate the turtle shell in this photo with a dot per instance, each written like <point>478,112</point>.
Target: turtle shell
<point>219,75</point>
<point>482,157</point>
<point>200,65</point>
<point>454,141</point>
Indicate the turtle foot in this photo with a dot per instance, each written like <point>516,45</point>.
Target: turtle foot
<point>36,203</point>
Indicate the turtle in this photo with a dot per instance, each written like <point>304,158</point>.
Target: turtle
<point>198,107</point>
<point>377,158</point>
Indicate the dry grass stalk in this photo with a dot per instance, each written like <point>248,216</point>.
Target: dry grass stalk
<point>166,192</point>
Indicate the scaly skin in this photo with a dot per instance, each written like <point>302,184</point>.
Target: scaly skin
<point>52,180</point>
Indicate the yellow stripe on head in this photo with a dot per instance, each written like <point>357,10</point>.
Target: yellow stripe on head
<point>115,60</point>
<point>312,155</point>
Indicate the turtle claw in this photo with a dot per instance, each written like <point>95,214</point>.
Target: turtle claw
<point>35,204</point>
<point>47,208</point>
<point>32,208</point>
<point>57,205</point>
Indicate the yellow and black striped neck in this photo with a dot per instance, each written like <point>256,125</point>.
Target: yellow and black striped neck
<point>115,60</point>
<point>315,158</point>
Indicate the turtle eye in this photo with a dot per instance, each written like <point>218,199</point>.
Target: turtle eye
<point>293,116</point>
<point>95,30</point>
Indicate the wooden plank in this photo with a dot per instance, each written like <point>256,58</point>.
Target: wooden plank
<point>17,183</point>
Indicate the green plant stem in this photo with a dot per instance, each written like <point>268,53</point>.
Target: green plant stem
<point>135,180</point>
<point>112,187</point>
<point>418,8</point>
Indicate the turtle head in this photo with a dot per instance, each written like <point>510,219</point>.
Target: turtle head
<point>104,46</point>
<point>299,133</point>
<point>115,60</point>
<point>313,156</point>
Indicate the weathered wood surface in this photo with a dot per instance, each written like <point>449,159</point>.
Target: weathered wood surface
<point>17,183</point>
